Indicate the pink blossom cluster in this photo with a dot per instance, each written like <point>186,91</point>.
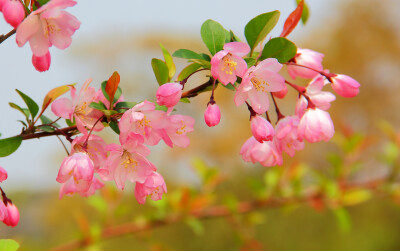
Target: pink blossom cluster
<point>9,213</point>
<point>259,83</point>
<point>92,161</point>
<point>47,26</point>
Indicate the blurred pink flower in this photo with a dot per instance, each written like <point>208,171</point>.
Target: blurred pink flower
<point>13,12</point>
<point>266,153</point>
<point>3,174</point>
<point>12,217</point>
<point>154,186</point>
<point>286,135</point>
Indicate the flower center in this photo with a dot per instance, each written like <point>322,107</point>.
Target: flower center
<point>259,84</point>
<point>229,65</point>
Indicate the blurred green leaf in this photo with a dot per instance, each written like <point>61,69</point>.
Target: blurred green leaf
<point>9,145</point>
<point>184,100</point>
<point>188,70</point>
<point>8,245</point>
<point>355,196</point>
<point>234,38</point>
<point>32,106</point>
<point>114,127</point>
<point>280,48</point>
<point>250,62</point>
<point>306,12</point>
<point>196,225</point>
<point>161,70</point>
<point>213,35</point>
<point>169,62</point>
<point>124,104</point>
<point>206,64</point>
<point>258,28</point>
<point>188,54</point>
<point>343,219</point>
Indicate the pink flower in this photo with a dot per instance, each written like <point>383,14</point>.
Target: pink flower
<point>262,129</point>
<point>345,86</point>
<point>144,120</point>
<point>80,168</point>
<point>42,63</point>
<point>319,98</point>
<point>258,82</point>
<point>12,217</point>
<point>228,63</point>
<point>316,125</point>
<point>78,107</point>
<point>176,129</point>
<point>282,93</point>
<point>153,186</point>
<point>70,187</point>
<point>212,115</point>
<point>266,153</point>
<point>95,149</point>
<point>13,12</point>
<point>286,135</point>
<point>127,161</point>
<point>308,58</point>
<point>169,94</point>
<point>3,209</point>
<point>3,174</point>
<point>49,25</point>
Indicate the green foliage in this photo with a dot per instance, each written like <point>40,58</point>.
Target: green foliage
<point>280,48</point>
<point>306,12</point>
<point>258,28</point>
<point>188,54</point>
<point>8,245</point>
<point>169,62</point>
<point>24,111</point>
<point>98,106</point>
<point>9,145</point>
<point>114,127</point>
<point>188,70</point>
<point>46,120</point>
<point>161,70</point>
<point>32,106</point>
<point>213,35</point>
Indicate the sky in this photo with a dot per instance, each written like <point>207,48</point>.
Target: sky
<point>32,165</point>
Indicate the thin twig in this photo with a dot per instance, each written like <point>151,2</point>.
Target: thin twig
<point>4,37</point>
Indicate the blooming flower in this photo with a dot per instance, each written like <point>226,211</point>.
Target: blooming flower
<point>13,12</point>
<point>153,186</point>
<point>315,125</point>
<point>176,129</point>
<point>310,59</point>
<point>345,86</point>
<point>286,135</point>
<point>262,129</point>
<point>258,82</point>
<point>95,149</point>
<point>228,63</point>
<point>49,25</point>
<point>266,153</point>
<point>212,115</point>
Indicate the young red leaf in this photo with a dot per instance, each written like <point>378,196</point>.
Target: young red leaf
<point>55,93</point>
<point>292,20</point>
<point>112,86</point>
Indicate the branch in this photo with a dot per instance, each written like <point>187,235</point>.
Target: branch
<point>69,131</point>
<point>195,91</point>
<point>4,37</point>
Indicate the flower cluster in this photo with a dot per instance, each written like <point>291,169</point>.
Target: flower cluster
<point>92,161</point>
<point>260,82</point>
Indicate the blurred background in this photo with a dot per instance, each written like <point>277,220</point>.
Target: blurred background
<point>359,38</point>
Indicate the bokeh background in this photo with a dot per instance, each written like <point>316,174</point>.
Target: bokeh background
<point>358,38</point>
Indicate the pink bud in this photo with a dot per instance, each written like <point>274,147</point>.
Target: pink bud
<point>212,115</point>
<point>345,86</point>
<point>1,5</point>
<point>12,218</point>
<point>41,63</point>
<point>13,12</point>
<point>282,93</point>
<point>169,94</point>
<point>316,125</point>
<point>3,174</point>
<point>262,130</point>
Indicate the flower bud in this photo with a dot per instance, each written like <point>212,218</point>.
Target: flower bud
<point>282,93</point>
<point>262,130</point>
<point>345,86</point>
<point>12,218</point>
<point>316,125</point>
<point>3,174</point>
<point>41,63</point>
<point>308,58</point>
<point>212,115</point>
<point>169,94</point>
<point>13,12</point>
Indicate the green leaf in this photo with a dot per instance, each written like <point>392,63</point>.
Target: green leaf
<point>250,62</point>
<point>234,38</point>
<point>69,122</point>
<point>116,95</point>
<point>8,245</point>
<point>206,64</point>
<point>184,100</point>
<point>32,106</point>
<point>114,127</point>
<point>188,70</point>
<point>213,35</point>
<point>98,106</point>
<point>161,108</point>
<point>160,70</point>
<point>196,225</point>
<point>258,28</point>
<point>46,120</point>
<point>124,104</point>
<point>280,48</point>
<point>188,54</point>
<point>343,219</point>
<point>306,12</point>
<point>169,62</point>
<point>9,145</point>
<point>22,110</point>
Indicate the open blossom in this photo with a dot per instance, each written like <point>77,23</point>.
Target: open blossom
<point>95,149</point>
<point>316,125</point>
<point>77,168</point>
<point>3,174</point>
<point>266,153</point>
<point>145,120</point>
<point>286,135</point>
<point>127,161</point>
<point>310,59</point>
<point>227,64</point>
<point>78,107</point>
<point>12,217</point>
<point>42,63</point>
<point>169,95</point>
<point>258,82</point>
<point>49,25</point>
<point>262,129</point>
<point>176,129</point>
<point>319,98</point>
<point>212,115</point>
<point>70,187</point>
<point>154,186</point>
<point>13,12</point>
<point>345,86</point>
